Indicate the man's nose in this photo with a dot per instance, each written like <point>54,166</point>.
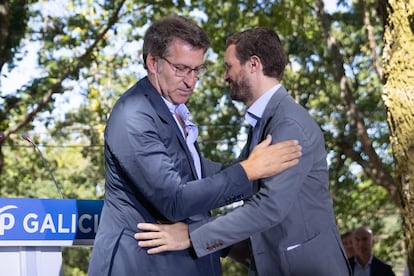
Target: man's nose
<point>226,76</point>
<point>191,79</point>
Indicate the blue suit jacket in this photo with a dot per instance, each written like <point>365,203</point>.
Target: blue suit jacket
<point>378,267</point>
<point>150,177</point>
<point>290,220</point>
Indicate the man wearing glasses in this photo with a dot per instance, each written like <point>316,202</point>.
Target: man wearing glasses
<point>153,168</point>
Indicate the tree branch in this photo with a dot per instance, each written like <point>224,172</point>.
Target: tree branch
<point>375,169</point>
<point>371,40</point>
<point>57,86</point>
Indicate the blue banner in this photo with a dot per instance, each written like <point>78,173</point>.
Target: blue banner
<point>30,221</point>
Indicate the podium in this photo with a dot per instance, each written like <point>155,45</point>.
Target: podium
<point>33,232</point>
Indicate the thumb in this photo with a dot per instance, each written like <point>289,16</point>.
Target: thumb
<point>266,142</point>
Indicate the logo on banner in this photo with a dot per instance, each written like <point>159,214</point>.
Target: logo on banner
<point>6,219</point>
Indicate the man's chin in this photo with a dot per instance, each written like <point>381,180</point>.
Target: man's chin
<point>235,97</point>
<point>181,100</point>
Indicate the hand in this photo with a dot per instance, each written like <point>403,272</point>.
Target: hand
<point>266,160</point>
<point>163,237</point>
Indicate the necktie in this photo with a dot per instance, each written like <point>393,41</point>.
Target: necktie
<point>255,135</point>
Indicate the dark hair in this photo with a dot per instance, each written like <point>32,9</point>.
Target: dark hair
<point>346,234</point>
<point>264,43</point>
<point>160,34</point>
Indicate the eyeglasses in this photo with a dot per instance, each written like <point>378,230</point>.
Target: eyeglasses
<point>182,70</point>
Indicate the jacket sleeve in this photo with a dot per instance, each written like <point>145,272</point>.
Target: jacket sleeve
<point>268,207</point>
<point>144,155</point>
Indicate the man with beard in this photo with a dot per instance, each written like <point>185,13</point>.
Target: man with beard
<point>289,223</point>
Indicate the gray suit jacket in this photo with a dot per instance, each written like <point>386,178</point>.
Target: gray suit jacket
<point>290,220</point>
<point>149,177</point>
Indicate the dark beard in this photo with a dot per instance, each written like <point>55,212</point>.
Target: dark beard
<point>240,90</point>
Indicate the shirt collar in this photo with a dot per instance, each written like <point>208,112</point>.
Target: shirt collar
<point>171,107</point>
<point>255,111</point>
<point>181,109</point>
<point>368,263</point>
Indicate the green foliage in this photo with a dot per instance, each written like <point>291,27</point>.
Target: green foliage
<point>76,260</point>
<point>232,268</point>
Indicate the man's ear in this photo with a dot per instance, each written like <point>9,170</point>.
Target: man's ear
<point>152,64</point>
<point>255,63</point>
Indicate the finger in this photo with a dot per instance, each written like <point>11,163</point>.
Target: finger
<point>282,149</point>
<point>159,249</point>
<point>288,144</point>
<point>288,164</point>
<point>286,154</point>
<point>147,235</point>
<point>266,142</point>
<point>293,155</point>
<point>151,243</point>
<point>148,226</point>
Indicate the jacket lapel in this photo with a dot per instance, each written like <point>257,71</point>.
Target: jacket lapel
<point>164,113</point>
<point>269,111</point>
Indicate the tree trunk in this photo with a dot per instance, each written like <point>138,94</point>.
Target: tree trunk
<point>398,96</point>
